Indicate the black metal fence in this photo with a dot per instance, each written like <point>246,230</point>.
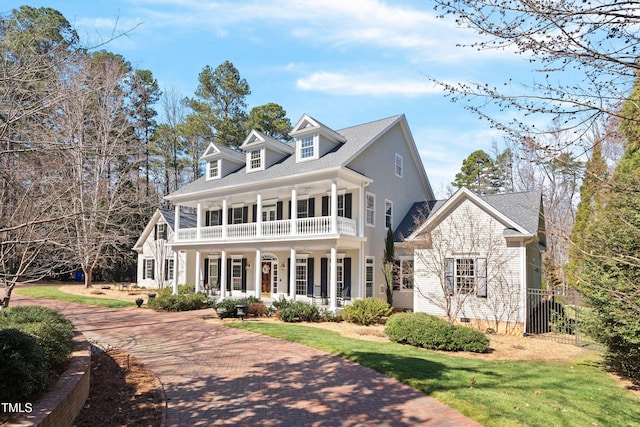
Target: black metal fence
<point>557,315</point>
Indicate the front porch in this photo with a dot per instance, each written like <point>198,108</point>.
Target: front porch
<point>324,276</point>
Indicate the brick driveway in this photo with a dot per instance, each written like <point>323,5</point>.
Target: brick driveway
<point>214,375</point>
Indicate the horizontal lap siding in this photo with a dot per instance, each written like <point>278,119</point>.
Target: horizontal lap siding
<point>470,230</point>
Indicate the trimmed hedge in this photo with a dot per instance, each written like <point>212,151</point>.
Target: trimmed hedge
<point>298,311</point>
<point>367,311</point>
<point>52,331</point>
<point>23,368</point>
<point>227,307</point>
<point>434,333</point>
<point>180,302</point>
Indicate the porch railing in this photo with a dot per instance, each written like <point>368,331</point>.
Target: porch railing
<point>279,229</point>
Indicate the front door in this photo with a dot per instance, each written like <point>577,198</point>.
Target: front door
<point>266,276</point>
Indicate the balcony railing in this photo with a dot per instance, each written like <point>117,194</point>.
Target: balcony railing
<point>280,229</point>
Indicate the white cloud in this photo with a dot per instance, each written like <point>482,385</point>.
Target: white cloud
<point>365,84</point>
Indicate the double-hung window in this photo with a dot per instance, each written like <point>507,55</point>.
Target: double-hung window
<point>236,274</point>
<point>168,269</point>
<point>371,209</point>
<point>368,277</point>
<point>255,160</point>
<point>214,169</point>
<point>403,277</point>
<point>307,148</point>
<point>148,266</point>
<point>388,214</point>
<point>398,165</point>
<point>466,276</point>
<point>301,276</point>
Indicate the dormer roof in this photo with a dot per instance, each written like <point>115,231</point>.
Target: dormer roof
<point>219,151</point>
<point>308,125</point>
<point>257,139</point>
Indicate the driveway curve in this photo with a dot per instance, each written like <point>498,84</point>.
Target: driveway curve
<point>219,376</point>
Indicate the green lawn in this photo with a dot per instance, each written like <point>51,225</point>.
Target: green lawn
<point>506,393</point>
<point>52,292</point>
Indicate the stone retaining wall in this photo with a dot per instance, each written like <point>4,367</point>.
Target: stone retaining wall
<point>62,403</point>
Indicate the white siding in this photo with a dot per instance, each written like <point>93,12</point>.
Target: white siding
<point>469,231</point>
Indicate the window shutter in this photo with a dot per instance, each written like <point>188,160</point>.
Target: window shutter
<point>207,218</point>
<point>288,275</point>
<point>347,277</point>
<point>166,269</point>
<point>205,280</point>
<point>244,275</point>
<point>290,211</point>
<point>325,206</point>
<point>449,279</point>
<point>254,209</point>
<point>279,210</point>
<point>481,279</point>
<point>164,232</point>
<point>155,232</point>
<point>219,272</point>
<point>310,276</point>
<point>229,274</point>
<point>230,216</point>
<point>153,268</point>
<point>348,200</point>
<point>311,207</point>
<point>245,214</point>
<point>324,274</point>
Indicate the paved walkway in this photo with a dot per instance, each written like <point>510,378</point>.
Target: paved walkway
<point>219,376</point>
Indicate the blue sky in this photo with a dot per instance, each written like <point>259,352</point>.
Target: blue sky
<point>343,62</point>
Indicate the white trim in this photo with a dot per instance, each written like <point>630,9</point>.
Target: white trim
<point>260,158</point>
<point>390,203</point>
<point>314,146</point>
<point>218,165</point>
<point>373,275</point>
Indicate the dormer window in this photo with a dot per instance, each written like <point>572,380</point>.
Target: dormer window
<point>255,160</point>
<point>214,169</point>
<point>308,148</point>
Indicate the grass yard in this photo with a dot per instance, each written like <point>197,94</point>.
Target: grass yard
<point>494,393</point>
<point>52,292</point>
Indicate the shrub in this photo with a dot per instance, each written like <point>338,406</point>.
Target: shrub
<point>52,331</point>
<point>431,332</point>
<point>23,369</point>
<point>180,302</point>
<point>299,311</point>
<point>367,311</point>
<point>182,290</point>
<point>257,309</point>
<point>281,303</point>
<point>227,307</point>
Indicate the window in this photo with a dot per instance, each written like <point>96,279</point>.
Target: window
<point>269,213</point>
<point>168,269</point>
<point>148,266</point>
<point>237,215</point>
<point>368,277</point>
<point>303,208</point>
<point>466,276</point>
<point>398,165</point>
<point>341,212</point>
<point>161,231</point>
<point>371,209</point>
<point>214,169</point>
<point>213,218</point>
<point>340,276</point>
<point>236,274</point>
<point>388,213</point>
<point>307,149</point>
<point>213,280</point>
<point>255,160</point>
<point>403,277</point>
<point>301,276</point>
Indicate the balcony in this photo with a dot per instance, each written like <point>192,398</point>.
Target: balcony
<point>270,230</point>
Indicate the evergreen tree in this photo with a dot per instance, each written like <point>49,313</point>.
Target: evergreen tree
<point>610,277</point>
<point>388,264</point>
<point>271,119</point>
<point>479,174</point>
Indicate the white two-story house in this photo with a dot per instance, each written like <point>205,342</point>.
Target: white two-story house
<point>301,220</point>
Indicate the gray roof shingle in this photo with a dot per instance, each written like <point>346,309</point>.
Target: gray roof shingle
<point>357,137</point>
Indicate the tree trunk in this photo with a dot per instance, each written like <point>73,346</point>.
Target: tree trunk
<point>88,277</point>
<point>7,295</point>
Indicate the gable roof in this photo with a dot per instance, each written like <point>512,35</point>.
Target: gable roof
<point>187,220</point>
<point>519,211</point>
<point>218,150</point>
<point>257,138</point>
<point>356,139</point>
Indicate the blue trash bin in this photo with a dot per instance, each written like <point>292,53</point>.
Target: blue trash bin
<point>79,276</point>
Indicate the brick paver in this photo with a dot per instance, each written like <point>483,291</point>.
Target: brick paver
<point>219,376</point>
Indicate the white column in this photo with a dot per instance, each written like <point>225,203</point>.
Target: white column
<point>259,214</point>
<point>333,279</point>
<point>258,275</point>
<point>363,214</point>
<point>176,221</point>
<point>198,220</point>
<point>198,271</point>
<point>334,208</point>
<point>223,274</point>
<point>292,275</point>
<point>294,212</point>
<point>176,271</point>
<point>225,219</point>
